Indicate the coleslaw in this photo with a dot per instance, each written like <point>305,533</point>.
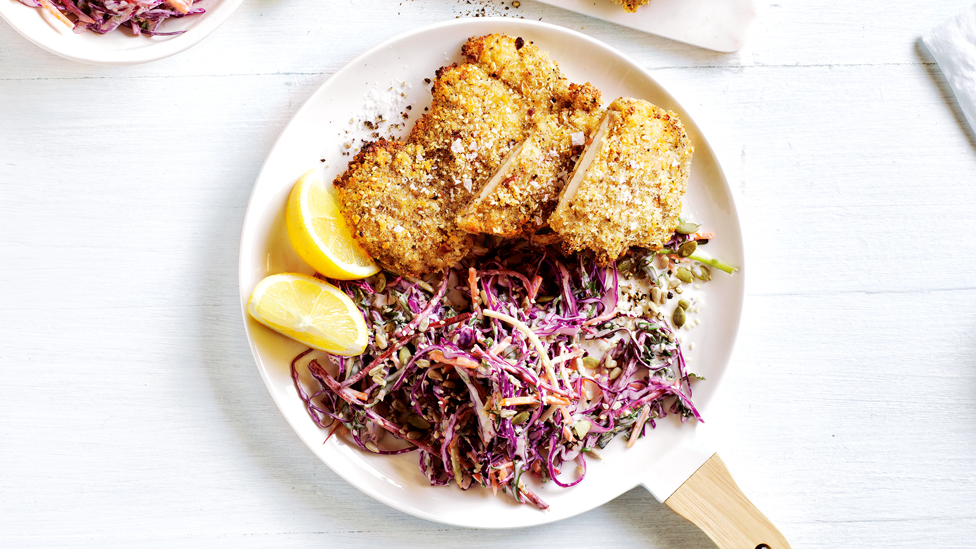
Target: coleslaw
<point>518,360</point>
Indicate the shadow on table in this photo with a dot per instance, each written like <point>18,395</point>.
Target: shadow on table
<point>940,82</point>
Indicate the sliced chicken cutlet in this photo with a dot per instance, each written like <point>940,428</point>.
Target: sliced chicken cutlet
<point>524,191</point>
<point>401,198</point>
<point>627,187</point>
<point>474,122</point>
<point>397,210</point>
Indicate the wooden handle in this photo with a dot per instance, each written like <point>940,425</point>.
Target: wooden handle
<point>712,501</point>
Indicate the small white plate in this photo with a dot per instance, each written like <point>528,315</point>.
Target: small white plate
<point>318,131</point>
<point>720,25</point>
<point>118,47</point>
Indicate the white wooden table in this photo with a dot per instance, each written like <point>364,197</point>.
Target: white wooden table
<point>131,412</point>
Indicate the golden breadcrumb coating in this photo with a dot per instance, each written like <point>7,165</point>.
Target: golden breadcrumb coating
<point>397,209</point>
<point>493,155</point>
<point>521,65</point>
<point>473,123</point>
<point>521,196</point>
<point>628,185</point>
<point>630,6</point>
<point>401,199</point>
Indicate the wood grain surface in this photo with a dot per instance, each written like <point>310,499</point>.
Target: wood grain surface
<point>131,412</point>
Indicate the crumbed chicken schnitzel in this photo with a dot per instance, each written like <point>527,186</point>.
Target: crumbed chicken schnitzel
<point>481,110</point>
<point>397,209</point>
<point>493,153</point>
<point>523,66</point>
<point>522,194</point>
<point>474,122</point>
<point>627,188</point>
<point>401,199</point>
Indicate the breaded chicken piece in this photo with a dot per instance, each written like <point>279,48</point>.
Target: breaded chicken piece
<point>401,199</point>
<point>627,188</point>
<point>522,194</point>
<point>397,210</point>
<point>521,65</point>
<point>473,123</point>
<point>630,6</point>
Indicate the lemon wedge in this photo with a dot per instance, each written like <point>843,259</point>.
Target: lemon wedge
<point>311,311</point>
<point>320,235</point>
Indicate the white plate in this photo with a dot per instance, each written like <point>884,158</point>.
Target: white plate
<point>318,131</point>
<point>720,25</point>
<point>119,47</point>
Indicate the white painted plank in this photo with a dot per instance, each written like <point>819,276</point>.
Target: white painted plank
<point>133,414</point>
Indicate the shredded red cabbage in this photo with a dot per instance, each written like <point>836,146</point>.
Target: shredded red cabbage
<point>103,16</point>
<point>448,372</point>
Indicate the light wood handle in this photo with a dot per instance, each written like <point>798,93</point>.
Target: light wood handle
<point>713,502</point>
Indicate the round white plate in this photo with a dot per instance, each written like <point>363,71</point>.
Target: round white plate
<point>318,131</point>
<point>119,47</point>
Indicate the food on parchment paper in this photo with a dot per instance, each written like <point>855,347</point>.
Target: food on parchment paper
<point>481,111</point>
<point>627,187</point>
<point>103,16</point>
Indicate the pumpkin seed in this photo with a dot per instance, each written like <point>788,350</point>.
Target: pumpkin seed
<point>449,384</point>
<point>582,427</point>
<point>380,283</point>
<point>705,274</point>
<point>399,406</point>
<point>422,363</point>
<point>435,375</point>
<point>418,422</point>
<point>590,362</point>
<point>687,228</point>
<point>424,324</point>
<point>413,435</point>
<point>371,447</point>
<point>520,418</point>
<point>625,265</point>
<point>545,299</point>
<point>404,355</point>
<point>684,304</point>
<point>678,317</point>
<point>684,275</point>
<point>687,248</point>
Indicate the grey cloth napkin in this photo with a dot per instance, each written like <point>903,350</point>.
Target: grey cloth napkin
<point>953,45</point>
